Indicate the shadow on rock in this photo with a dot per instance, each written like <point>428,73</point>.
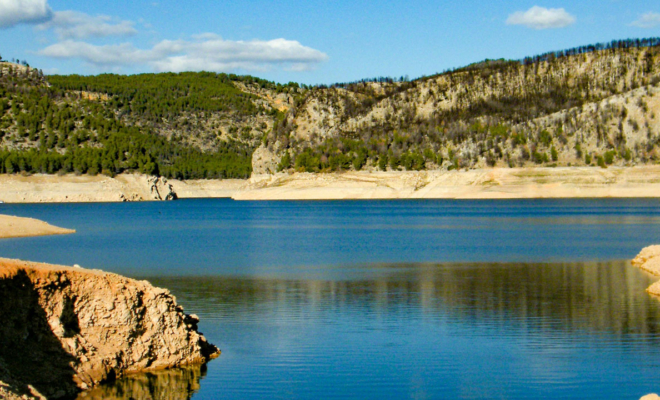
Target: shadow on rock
<point>32,354</point>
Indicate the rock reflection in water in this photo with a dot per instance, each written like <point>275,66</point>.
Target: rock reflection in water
<point>172,384</point>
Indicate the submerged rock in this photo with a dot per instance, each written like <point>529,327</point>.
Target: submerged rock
<point>66,329</point>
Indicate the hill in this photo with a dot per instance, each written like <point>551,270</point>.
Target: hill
<point>591,105</point>
<point>166,124</point>
<point>585,106</point>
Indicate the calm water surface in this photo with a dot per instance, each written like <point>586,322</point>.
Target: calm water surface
<point>385,299</point>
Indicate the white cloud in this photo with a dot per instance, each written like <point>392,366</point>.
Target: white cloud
<point>207,52</point>
<point>78,25</point>
<point>648,20</point>
<point>542,18</point>
<point>14,12</point>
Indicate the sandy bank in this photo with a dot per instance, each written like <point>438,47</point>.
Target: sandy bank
<point>67,328</point>
<point>11,227</point>
<point>495,183</point>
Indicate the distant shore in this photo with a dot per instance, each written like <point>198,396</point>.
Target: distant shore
<point>493,183</point>
<point>12,227</point>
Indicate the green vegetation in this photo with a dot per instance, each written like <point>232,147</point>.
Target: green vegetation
<point>53,133</point>
<point>156,96</point>
<point>548,110</point>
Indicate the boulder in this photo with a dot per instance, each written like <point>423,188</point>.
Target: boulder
<point>160,189</point>
<point>646,254</point>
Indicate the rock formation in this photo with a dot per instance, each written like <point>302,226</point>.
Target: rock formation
<point>67,329</point>
<point>264,161</point>
<point>160,189</point>
<point>649,260</point>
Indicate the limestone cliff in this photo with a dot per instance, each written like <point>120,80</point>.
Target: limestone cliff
<point>65,329</point>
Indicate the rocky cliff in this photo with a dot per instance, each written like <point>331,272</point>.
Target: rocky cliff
<point>66,329</point>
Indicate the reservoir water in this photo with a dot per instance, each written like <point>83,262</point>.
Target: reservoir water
<point>384,299</point>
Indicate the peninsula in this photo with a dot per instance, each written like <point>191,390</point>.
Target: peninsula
<point>12,227</point>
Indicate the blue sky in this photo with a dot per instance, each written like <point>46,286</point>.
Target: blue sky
<point>305,41</point>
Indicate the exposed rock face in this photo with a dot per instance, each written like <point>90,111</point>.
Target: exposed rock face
<point>264,161</point>
<point>65,329</point>
<point>644,258</point>
<point>160,189</point>
<point>649,260</point>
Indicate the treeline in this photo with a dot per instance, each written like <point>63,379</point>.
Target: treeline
<point>613,45</point>
<point>503,63</point>
<point>341,154</point>
<point>153,97</point>
<point>49,132</point>
<point>131,151</point>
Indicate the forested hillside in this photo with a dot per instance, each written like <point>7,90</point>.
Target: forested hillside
<point>165,124</point>
<point>592,105</point>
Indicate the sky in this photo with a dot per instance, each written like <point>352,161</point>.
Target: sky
<point>306,41</point>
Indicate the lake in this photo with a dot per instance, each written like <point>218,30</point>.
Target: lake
<point>498,299</point>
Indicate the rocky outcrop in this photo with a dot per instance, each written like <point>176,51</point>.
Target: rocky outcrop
<point>649,260</point>
<point>264,161</point>
<point>66,329</point>
<point>160,189</point>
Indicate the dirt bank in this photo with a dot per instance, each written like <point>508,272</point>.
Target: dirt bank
<point>492,183</point>
<point>496,183</point>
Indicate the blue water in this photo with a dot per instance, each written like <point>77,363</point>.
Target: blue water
<point>211,237</point>
<point>384,299</point>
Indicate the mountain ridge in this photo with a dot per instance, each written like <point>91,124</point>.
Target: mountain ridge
<point>590,105</point>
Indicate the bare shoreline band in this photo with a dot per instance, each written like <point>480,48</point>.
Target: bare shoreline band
<point>492,183</point>
<point>15,227</point>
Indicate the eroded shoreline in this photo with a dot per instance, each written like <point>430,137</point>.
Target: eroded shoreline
<point>493,183</point>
